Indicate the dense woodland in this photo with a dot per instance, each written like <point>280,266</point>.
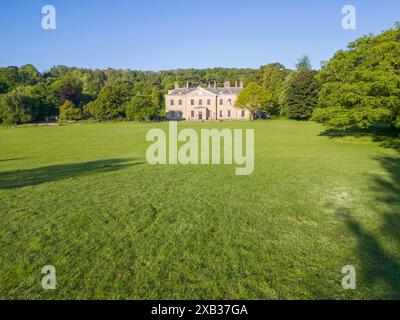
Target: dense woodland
<point>358,87</point>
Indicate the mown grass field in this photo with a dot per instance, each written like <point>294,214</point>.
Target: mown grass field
<point>83,198</point>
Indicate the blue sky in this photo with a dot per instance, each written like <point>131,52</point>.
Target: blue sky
<point>169,34</point>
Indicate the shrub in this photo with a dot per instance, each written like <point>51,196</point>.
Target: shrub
<point>68,111</point>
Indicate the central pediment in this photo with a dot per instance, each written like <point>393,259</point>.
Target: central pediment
<point>201,92</point>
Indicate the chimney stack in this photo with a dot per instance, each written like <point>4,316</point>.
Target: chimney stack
<point>227,84</point>
<point>187,84</point>
<point>241,84</point>
<point>176,85</point>
<point>236,84</point>
<point>215,84</point>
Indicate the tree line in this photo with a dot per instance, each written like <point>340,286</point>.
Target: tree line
<point>27,95</point>
<point>358,87</point>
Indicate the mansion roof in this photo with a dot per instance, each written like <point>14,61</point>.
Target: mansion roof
<point>217,90</point>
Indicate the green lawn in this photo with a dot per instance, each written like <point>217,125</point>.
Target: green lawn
<point>83,198</point>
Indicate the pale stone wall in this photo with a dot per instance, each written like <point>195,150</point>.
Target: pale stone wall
<point>176,107</point>
<point>201,104</point>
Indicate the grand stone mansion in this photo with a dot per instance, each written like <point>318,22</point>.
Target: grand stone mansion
<point>208,103</point>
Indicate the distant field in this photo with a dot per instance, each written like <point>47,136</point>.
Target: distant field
<point>83,198</point>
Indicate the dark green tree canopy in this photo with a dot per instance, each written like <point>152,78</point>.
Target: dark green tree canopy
<point>8,79</point>
<point>361,86</point>
<point>140,108</point>
<point>110,104</point>
<point>15,108</point>
<point>301,96</point>
<point>28,75</point>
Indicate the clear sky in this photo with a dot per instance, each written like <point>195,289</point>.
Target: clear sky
<point>169,34</point>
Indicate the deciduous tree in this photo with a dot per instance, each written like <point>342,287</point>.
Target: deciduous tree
<point>15,108</point>
<point>272,77</point>
<point>110,104</point>
<point>141,108</point>
<point>303,63</point>
<point>361,86</point>
<point>254,97</point>
<point>69,111</point>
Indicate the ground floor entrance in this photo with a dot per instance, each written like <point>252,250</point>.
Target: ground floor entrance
<point>200,114</point>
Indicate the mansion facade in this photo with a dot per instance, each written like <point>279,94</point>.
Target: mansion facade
<point>209,103</point>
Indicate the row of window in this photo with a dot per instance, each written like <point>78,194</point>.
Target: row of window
<point>221,102</point>
<point>221,113</point>
<point>173,102</point>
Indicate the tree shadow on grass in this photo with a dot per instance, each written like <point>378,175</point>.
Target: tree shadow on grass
<point>385,136</point>
<point>29,177</point>
<point>11,159</point>
<point>378,263</point>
